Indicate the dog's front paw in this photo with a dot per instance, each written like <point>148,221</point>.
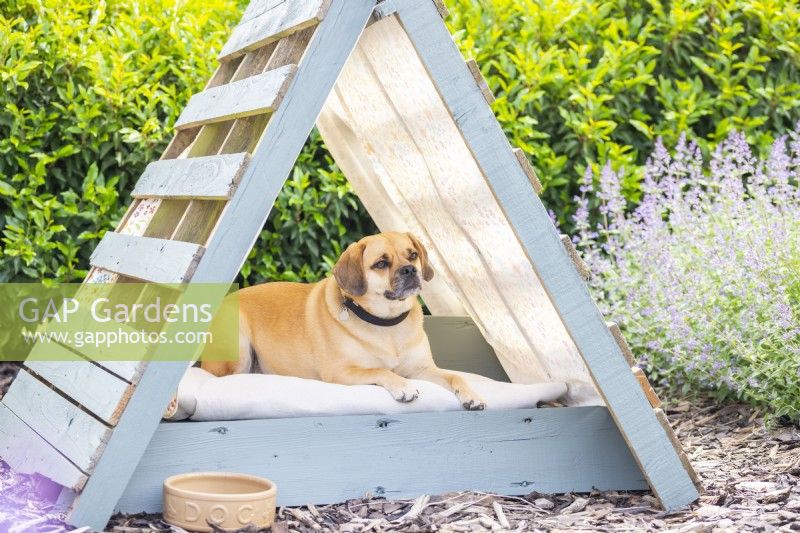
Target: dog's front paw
<point>471,401</point>
<point>405,392</point>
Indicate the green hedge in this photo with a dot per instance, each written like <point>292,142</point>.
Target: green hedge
<point>588,81</point>
<point>88,94</point>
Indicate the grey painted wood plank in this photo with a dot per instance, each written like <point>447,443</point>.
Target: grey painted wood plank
<point>28,453</point>
<point>258,7</point>
<point>331,459</point>
<point>457,344</point>
<point>95,503</point>
<point>145,258</point>
<point>210,177</point>
<point>577,260</point>
<point>71,431</point>
<point>528,170</point>
<point>609,369</point>
<point>99,391</point>
<point>241,223</point>
<point>283,139</point>
<point>243,98</point>
<point>278,21</point>
<point>127,370</point>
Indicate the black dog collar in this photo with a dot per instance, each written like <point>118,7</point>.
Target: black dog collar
<point>366,316</point>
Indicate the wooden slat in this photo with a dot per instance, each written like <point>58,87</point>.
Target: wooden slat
<point>211,177</point>
<point>257,8</point>
<point>655,401</point>
<point>127,370</point>
<point>237,230</point>
<point>531,222</point>
<point>371,188</point>
<point>97,390</point>
<point>475,70</point>
<point>528,169</point>
<point>283,19</point>
<point>572,449</point>
<point>676,444</point>
<point>68,429</point>
<point>441,8</point>
<point>28,453</point>
<point>577,260</point>
<point>156,260</point>
<point>199,222</point>
<point>613,328</point>
<point>243,98</point>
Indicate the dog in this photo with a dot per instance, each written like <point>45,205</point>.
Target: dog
<point>360,326</point>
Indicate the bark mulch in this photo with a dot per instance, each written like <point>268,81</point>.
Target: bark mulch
<point>751,477</point>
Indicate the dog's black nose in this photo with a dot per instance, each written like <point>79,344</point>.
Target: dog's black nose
<point>408,270</point>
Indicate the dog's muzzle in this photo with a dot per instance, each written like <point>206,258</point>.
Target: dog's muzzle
<point>405,283</point>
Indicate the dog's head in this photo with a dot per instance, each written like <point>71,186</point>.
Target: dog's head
<point>388,264</point>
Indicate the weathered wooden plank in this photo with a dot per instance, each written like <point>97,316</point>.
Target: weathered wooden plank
<point>164,220</point>
<point>28,453</point>
<point>243,98</point>
<point>441,8</point>
<point>71,431</point>
<point>644,383</point>
<point>577,260</point>
<point>210,177</point>
<point>145,258</point>
<point>199,222</point>
<point>609,369</point>
<point>613,328</point>
<point>279,21</point>
<point>662,418</point>
<point>257,8</point>
<point>127,370</point>
<point>528,169</point>
<point>99,391</point>
<point>509,452</point>
<point>241,223</point>
<point>417,151</point>
<point>457,344</point>
<point>365,176</point>
<point>475,70</point>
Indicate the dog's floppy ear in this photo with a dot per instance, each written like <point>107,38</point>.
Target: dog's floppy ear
<point>427,269</point>
<point>349,270</point>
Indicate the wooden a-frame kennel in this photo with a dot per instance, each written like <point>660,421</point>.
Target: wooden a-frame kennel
<point>410,124</point>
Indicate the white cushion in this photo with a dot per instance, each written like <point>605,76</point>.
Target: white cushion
<point>201,396</point>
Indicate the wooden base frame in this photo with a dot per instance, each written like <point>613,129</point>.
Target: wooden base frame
<point>332,459</point>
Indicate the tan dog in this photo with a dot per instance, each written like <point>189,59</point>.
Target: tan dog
<point>361,326</point>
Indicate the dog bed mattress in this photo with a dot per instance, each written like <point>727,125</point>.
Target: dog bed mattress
<point>204,397</point>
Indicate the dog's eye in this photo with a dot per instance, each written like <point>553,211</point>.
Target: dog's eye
<point>381,264</point>
<point>413,255</point>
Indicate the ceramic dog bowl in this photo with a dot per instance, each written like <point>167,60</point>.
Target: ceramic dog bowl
<point>230,501</point>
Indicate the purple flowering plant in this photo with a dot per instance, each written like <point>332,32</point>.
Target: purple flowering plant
<point>704,274</point>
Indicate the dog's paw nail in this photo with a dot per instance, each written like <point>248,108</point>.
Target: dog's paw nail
<point>473,405</point>
<point>406,396</point>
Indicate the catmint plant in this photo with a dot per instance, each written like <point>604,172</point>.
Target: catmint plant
<point>704,274</point>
